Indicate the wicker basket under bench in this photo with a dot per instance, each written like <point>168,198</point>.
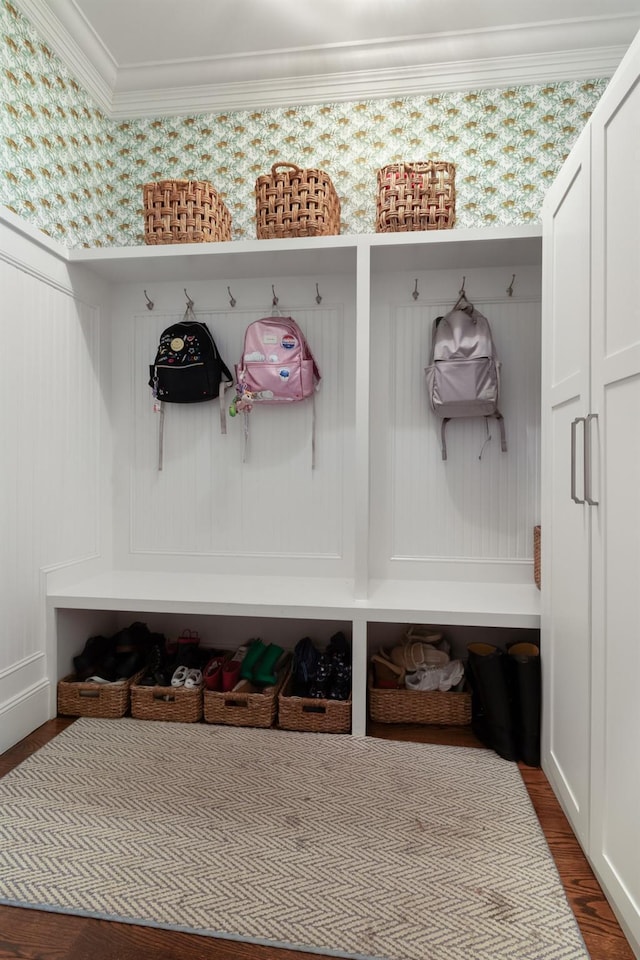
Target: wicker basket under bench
<point>83,698</point>
<point>312,715</point>
<point>166,703</point>
<point>452,708</point>
<point>245,706</point>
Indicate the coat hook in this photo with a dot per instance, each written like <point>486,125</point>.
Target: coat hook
<point>318,296</point>
<point>275,301</point>
<point>149,302</point>
<point>462,290</point>
<point>510,287</point>
<point>415,293</point>
<point>189,300</point>
<point>232,299</point>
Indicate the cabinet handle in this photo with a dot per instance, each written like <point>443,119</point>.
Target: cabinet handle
<point>587,459</point>
<point>574,427</point>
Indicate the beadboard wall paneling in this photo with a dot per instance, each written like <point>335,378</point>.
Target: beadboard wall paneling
<point>427,512</point>
<point>50,411</point>
<point>207,504</point>
<point>67,168</point>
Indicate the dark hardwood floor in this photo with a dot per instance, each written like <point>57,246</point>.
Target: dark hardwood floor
<point>33,935</point>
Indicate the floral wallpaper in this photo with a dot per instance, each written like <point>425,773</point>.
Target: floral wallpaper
<point>77,175</point>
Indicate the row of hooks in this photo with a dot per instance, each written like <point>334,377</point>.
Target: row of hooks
<point>462,292</point>
<point>232,300</point>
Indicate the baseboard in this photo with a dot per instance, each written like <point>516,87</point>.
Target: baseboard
<point>23,714</point>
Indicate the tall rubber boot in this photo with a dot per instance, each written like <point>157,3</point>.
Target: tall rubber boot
<point>524,663</point>
<point>492,709</point>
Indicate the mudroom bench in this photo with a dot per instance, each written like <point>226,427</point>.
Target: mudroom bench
<point>227,610</point>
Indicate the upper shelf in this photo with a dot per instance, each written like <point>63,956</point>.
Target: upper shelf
<point>477,247</point>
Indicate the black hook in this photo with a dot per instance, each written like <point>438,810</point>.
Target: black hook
<point>415,293</point>
<point>149,302</point>
<point>275,301</point>
<point>189,300</point>
<point>462,292</point>
<point>232,299</point>
<point>510,287</point>
<point>318,297</point>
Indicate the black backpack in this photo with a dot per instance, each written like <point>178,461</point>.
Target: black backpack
<point>187,368</point>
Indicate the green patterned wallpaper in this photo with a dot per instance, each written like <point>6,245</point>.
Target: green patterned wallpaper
<point>76,174</point>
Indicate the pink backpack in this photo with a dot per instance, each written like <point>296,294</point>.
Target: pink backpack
<point>277,366</point>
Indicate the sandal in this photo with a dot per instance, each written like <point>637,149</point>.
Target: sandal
<point>179,677</point>
<point>193,679</point>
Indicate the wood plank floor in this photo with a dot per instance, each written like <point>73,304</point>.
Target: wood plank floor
<point>34,935</point>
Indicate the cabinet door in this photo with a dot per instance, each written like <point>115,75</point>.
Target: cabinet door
<point>565,652</point>
<point>615,822</point>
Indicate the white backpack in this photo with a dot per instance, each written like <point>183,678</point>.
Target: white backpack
<point>463,378</point>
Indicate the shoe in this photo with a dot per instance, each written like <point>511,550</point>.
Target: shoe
<point>212,673</point>
<point>231,669</point>
<point>264,672</point>
<point>187,650</point>
<point>340,658</point>
<point>254,652</point>
<point>179,676</point>
<point>156,672</point>
<point>95,650</point>
<point>193,679</point>
<point>523,661</point>
<point>387,675</point>
<point>305,660</point>
<point>492,716</point>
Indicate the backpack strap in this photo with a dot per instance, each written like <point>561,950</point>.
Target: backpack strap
<point>503,437</point>
<point>443,442</point>
<point>161,436</point>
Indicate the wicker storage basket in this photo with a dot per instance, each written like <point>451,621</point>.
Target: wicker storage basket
<point>292,202</point>
<point>312,715</point>
<point>536,556</point>
<point>166,703</point>
<point>184,211</point>
<point>416,196</point>
<point>246,707</point>
<point>85,699</point>
<point>419,706</point>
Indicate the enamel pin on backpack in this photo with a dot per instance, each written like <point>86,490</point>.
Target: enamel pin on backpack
<point>276,367</point>
<point>463,378</point>
<point>187,368</point>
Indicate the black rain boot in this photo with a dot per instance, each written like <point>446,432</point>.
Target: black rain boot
<point>524,663</point>
<point>492,717</point>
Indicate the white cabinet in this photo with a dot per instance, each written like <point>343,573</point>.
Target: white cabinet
<point>591,544</point>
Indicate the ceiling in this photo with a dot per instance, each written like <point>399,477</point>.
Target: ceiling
<point>153,57</point>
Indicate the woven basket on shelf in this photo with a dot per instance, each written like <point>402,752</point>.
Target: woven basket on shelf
<point>536,556</point>
<point>184,211</point>
<point>419,706</point>
<point>166,703</point>
<point>416,196</point>
<point>312,715</point>
<point>246,707</point>
<point>100,700</point>
<point>293,202</point>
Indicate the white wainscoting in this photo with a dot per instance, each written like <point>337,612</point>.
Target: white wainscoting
<point>433,518</point>
<point>51,489</point>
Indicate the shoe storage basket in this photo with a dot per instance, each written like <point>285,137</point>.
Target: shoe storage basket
<point>184,211</point>
<point>86,699</point>
<point>312,715</point>
<point>293,202</point>
<point>419,706</point>
<point>166,703</point>
<point>245,707</point>
<point>416,196</point>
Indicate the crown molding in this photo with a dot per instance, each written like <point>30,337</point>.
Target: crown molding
<point>532,53</point>
<point>367,85</point>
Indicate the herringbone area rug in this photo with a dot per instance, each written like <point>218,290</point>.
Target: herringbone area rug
<point>344,846</point>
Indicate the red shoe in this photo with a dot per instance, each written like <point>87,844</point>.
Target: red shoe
<point>231,669</point>
<point>212,674</point>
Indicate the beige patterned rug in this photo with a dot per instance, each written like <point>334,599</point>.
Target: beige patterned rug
<point>342,846</point>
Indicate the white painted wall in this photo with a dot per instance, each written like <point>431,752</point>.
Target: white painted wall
<point>55,482</point>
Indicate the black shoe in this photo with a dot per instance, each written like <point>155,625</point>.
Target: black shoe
<point>96,649</point>
<point>523,661</point>
<point>305,661</point>
<point>492,710</point>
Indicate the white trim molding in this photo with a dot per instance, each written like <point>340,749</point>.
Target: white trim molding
<point>578,48</point>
